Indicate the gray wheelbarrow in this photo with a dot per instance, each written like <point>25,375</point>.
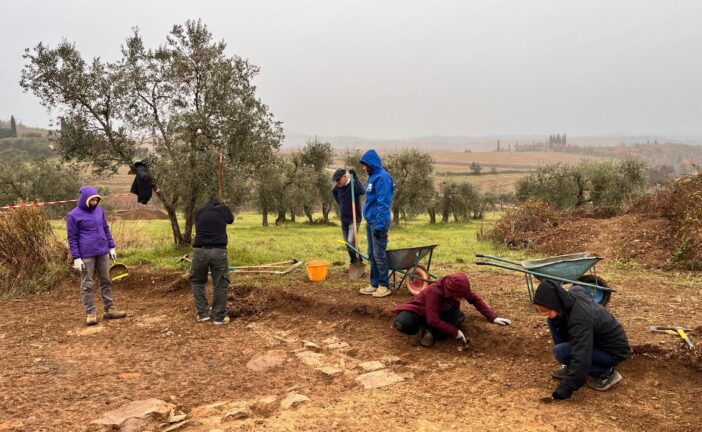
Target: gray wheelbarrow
<point>569,269</point>
<point>407,262</point>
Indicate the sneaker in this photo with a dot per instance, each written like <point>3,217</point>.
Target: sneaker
<point>370,289</point>
<point>560,373</point>
<point>203,319</point>
<point>416,339</point>
<point>91,319</point>
<point>382,292</point>
<point>224,321</point>
<point>602,384</point>
<point>427,340</point>
<point>111,314</point>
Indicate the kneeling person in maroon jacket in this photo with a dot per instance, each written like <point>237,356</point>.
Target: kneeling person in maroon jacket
<point>436,311</point>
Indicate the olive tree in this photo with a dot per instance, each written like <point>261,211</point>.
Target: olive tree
<point>604,183</point>
<point>316,156</point>
<point>41,180</point>
<point>413,174</point>
<point>193,106</point>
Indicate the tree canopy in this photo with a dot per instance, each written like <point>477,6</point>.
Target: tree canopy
<point>185,102</point>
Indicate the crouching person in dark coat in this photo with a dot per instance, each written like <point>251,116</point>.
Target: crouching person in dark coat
<point>436,311</point>
<point>210,254</point>
<point>588,341</point>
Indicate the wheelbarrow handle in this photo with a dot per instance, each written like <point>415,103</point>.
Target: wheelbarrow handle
<point>545,276</point>
<point>492,257</point>
<point>353,248</point>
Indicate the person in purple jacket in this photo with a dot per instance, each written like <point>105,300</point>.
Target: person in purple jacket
<point>91,245</point>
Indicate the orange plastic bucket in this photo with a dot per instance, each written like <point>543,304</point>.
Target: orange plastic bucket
<point>317,270</point>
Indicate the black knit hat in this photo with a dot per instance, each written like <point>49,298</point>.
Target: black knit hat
<point>338,174</point>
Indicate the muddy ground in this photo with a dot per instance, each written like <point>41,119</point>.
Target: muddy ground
<point>53,378</point>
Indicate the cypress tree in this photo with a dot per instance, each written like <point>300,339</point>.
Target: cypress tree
<point>13,126</point>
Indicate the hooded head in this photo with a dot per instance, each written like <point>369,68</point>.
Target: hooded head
<point>372,160</point>
<point>455,285</point>
<point>214,201</point>
<point>552,296</point>
<point>85,194</point>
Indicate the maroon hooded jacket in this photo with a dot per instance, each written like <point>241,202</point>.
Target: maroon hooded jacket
<point>441,296</point>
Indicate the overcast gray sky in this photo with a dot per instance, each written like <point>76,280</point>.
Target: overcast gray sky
<point>389,69</point>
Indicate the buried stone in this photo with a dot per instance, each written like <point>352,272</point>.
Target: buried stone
<point>379,378</point>
<point>135,412</point>
<point>371,366</point>
<point>264,361</point>
<point>292,400</point>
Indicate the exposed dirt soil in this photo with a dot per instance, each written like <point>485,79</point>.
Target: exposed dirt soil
<point>658,230</point>
<point>648,241</point>
<point>56,379</point>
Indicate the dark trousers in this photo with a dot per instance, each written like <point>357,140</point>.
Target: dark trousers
<point>347,232</point>
<point>602,363</point>
<point>203,261</point>
<point>409,322</point>
<point>377,257</point>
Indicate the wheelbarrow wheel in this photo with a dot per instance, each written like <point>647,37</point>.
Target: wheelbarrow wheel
<point>414,285</point>
<point>598,296</point>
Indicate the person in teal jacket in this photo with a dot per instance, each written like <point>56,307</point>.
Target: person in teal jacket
<point>379,192</point>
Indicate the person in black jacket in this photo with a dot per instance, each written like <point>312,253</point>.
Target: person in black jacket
<point>210,254</point>
<point>588,341</point>
<point>342,196</point>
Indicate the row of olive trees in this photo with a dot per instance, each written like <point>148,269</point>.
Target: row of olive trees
<point>291,185</point>
<point>604,184</point>
<point>299,184</point>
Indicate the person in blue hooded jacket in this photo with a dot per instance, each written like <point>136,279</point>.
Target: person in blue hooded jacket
<point>379,192</point>
<point>91,245</point>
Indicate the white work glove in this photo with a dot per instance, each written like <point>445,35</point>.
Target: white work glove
<point>460,336</point>
<point>78,264</point>
<point>502,321</point>
<point>113,254</point>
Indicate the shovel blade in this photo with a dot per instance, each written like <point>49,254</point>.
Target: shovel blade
<point>356,271</point>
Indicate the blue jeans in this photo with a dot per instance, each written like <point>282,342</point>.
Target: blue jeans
<point>377,257</point>
<point>347,232</point>
<point>602,363</point>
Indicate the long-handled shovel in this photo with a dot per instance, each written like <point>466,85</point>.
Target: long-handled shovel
<point>356,270</point>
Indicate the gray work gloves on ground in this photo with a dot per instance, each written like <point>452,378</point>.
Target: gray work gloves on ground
<point>502,321</point>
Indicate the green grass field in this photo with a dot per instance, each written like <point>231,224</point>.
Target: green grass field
<point>149,242</point>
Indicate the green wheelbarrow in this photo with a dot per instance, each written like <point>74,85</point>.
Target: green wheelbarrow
<point>570,269</point>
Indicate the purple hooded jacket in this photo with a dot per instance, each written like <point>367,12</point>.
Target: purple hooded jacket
<point>88,233</point>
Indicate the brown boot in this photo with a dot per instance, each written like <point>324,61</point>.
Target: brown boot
<point>91,319</point>
<point>416,339</point>
<point>427,340</point>
<point>113,314</point>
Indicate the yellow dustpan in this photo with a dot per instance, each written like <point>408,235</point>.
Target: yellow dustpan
<point>118,271</point>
